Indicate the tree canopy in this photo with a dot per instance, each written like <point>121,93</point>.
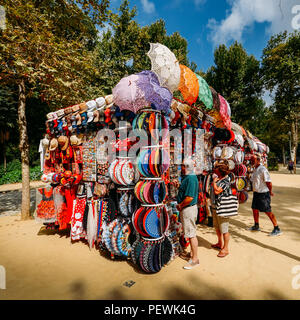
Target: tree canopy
<point>236,76</point>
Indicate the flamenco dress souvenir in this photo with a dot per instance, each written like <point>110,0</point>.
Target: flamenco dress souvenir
<point>46,209</point>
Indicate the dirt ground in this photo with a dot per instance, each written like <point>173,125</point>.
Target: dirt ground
<point>43,265</point>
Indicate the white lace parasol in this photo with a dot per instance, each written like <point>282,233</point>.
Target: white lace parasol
<point>165,65</point>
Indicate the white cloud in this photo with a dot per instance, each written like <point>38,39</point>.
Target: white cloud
<point>243,15</point>
<point>148,6</point>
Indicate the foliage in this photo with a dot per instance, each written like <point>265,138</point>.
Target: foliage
<point>236,76</point>
<point>281,75</point>
<point>13,173</point>
<point>122,48</point>
<point>273,162</point>
<point>46,43</point>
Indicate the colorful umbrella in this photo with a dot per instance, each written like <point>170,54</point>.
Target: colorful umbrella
<point>165,65</point>
<point>128,96</point>
<point>159,96</point>
<point>224,113</point>
<point>205,95</point>
<point>189,85</point>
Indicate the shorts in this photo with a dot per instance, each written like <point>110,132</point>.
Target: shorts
<point>188,218</point>
<point>261,201</point>
<point>220,223</point>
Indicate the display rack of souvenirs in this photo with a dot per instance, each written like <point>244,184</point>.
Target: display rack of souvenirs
<point>112,165</point>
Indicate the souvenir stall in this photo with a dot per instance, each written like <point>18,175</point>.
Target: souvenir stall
<point>113,165</point>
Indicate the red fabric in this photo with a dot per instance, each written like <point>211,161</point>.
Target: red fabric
<point>70,196</point>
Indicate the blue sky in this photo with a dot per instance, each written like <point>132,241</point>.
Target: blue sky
<point>207,23</point>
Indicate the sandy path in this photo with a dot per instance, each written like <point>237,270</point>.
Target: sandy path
<point>41,265</point>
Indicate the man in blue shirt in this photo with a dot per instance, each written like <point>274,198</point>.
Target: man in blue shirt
<point>187,199</point>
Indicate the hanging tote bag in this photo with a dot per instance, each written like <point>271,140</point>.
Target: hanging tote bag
<point>227,205</point>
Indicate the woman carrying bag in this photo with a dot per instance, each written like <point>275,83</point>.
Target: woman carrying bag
<point>225,206</point>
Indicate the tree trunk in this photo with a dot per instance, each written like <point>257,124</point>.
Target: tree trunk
<point>295,141</point>
<point>24,149</point>
<point>4,155</point>
<point>283,156</point>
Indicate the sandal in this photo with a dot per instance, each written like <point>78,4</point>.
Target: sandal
<point>222,255</point>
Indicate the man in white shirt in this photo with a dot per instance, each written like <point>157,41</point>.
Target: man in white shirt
<point>262,192</point>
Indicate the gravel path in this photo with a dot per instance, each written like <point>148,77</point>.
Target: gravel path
<point>10,202</point>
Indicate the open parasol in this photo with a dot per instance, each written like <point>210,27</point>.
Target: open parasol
<point>165,66</point>
<point>189,85</point>
<point>224,112</point>
<point>159,96</point>
<point>128,96</point>
<point>205,94</point>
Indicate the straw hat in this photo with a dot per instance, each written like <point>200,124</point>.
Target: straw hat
<point>53,144</point>
<point>45,142</point>
<point>63,142</point>
<point>83,107</point>
<point>75,141</point>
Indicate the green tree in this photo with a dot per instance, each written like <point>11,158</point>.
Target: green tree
<point>122,48</point>
<point>8,117</point>
<point>281,74</point>
<point>236,76</point>
<point>44,48</point>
